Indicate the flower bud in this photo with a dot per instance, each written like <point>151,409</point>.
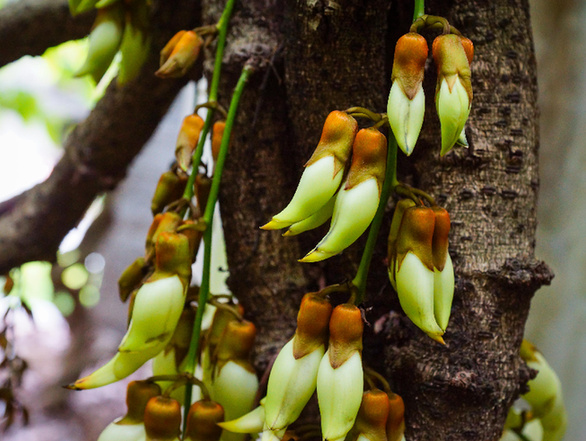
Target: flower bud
<point>234,382</point>
<point>162,419</point>
<point>454,90</point>
<point>187,140</point>
<point>340,375</point>
<point>406,104</point>
<point>202,421</point>
<point>168,221</point>
<point>169,189</point>
<point>166,51</point>
<point>294,373</point>
<point>545,389</point>
<point>372,416</point>
<point>323,172</point>
<point>194,235</point>
<point>183,55</point>
<point>443,282</point>
<point>396,419</point>
<point>136,42</point>
<point>104,41</point>
<point>414,269</point>
<point>131,426</point>
<point>358,199</point>
<point>172,257</point>
<point>203,185</point>
<point>217,135</point>
<point>132,277</point>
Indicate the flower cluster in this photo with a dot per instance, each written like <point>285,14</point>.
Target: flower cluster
<point>119,26</point>
<point>153,416</point>
<point>420,267</point>
<point>327,188</point>
<point>406,105</point>
<point>325,354</point>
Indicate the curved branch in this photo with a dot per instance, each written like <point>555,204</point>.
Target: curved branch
<point>97,154</point>
<point>29,27</point>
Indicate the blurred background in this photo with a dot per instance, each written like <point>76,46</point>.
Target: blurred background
<point>39,104</point>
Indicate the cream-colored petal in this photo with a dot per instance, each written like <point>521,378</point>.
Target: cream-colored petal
<point>156,311</point>
<point>317,185</point>
<point>405,116</point>
<point>353,212</point>
<point>443,293</point>
<point>415,290</point>
<point>339,394</point>
<point>291,384</point>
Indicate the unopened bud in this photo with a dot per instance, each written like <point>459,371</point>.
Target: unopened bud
<point>173,256</point>
<point>372,417</point>
<point>323,172</point>
<point>169,189</point>
<point>454,89</point>
<point>183,55</point>
<point>396,419</point>
<point>162,419</point>
<point>202,421</point>
<point>168,221</point>
<point>312,324</point>
<point>358,199</point>
<point>187,140</point>
<point>217,135</point>
<point>132,277</point>
<point>406,104</point>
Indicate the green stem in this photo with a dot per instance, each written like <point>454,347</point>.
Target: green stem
<point>391,182</point>
<point>419,9</point>
<point>213,96</point>
<point>208,217</point>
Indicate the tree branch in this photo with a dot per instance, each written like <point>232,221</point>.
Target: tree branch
<point>97,153</point>
<point>29,27</point>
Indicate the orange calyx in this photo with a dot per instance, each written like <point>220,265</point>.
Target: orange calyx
<point>409,62</point>
<point>162,418</point>
<point>369,157</point>
<point>374,411</point>
<point>217,135</point>
<point>201,421</point>
<point>312,324</point>
<point>236,341</point>
<point>416,235</point>
<point>440,237</point>
<point>396,419</point>
<point>138,393</point>
<point>336,139</point>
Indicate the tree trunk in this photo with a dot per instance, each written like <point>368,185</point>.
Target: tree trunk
<point>327,55</point>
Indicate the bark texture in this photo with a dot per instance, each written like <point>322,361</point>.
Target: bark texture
<point>339,54</point>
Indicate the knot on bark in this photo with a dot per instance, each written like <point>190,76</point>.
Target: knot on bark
<point>524,275</point>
